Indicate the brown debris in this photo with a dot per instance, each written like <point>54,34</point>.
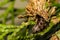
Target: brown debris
<point>54,37</point>
<point>55,20</point>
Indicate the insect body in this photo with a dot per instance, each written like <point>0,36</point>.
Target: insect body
<point>37,7</point>
<point>38,10</point>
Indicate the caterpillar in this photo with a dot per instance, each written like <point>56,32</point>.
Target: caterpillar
<point>41,13</point>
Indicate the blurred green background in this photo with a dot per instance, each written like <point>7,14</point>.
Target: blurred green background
<point>10,9</point>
